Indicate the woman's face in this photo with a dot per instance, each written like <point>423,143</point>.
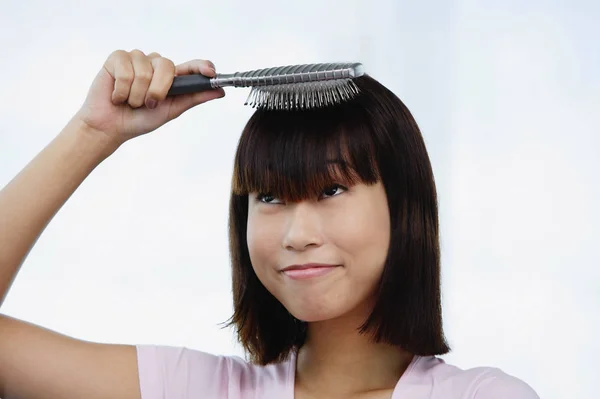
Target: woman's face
<point>337,243</point>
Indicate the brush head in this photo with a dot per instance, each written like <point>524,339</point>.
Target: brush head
<point>302,95</point>
<point>301,86</point>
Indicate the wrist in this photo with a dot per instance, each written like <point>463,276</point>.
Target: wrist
<point>89,140</point>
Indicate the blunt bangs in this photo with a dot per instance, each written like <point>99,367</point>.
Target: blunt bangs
<point>294,155</point>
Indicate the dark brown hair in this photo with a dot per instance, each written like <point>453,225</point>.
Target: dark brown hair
<point>288,154</point>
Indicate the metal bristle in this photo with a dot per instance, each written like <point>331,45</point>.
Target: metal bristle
<point>300,96</point>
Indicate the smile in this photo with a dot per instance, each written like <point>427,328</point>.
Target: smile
<point>308,271</point>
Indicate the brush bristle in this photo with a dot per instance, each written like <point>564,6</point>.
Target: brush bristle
<point>301,96</point>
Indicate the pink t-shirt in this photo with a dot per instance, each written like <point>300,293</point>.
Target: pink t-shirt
<point>181,373</point>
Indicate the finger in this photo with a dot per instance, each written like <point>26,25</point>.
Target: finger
<point>164,72</point>
<point>204,67</point>
<point>143,72</point>
<point>119,66</point>
<point>186,101</point>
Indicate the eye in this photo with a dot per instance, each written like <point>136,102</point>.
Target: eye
<point>333,190</point>
<point>267,198</point>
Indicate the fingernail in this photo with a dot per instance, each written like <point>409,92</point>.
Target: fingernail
<point>151,103</point>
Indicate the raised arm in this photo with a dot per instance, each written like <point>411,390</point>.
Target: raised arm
<point>128,98</point>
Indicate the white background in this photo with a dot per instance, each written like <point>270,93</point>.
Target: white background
<point>506,94</point>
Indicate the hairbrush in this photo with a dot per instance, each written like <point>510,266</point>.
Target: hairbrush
<point>283,88</point>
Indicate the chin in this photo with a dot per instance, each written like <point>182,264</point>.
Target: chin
<point>311,317</point>
<point>311,314</point>
<point>318,309</point>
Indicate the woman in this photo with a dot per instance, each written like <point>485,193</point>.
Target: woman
<point>334,244</point>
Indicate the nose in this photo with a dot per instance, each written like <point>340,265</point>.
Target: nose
<point>303,228</point>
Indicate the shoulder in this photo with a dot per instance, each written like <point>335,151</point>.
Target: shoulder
<point>472,383</point>
<point>496,384</point>
<point>175,372</point>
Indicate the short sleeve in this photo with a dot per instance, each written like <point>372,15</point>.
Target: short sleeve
<point>169,372</point>
<point>504,386</point>
<point>179,373</point>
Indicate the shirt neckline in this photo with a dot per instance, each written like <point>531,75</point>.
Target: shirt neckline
<point>291,376</point>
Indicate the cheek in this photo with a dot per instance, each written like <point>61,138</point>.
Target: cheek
<point>368,227</point>
<point>364,234</point>
<point>262,240</point>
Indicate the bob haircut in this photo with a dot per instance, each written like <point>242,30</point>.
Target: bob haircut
<point>289,154</point>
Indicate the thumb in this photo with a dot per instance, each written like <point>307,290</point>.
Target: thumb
<point>183,102</point>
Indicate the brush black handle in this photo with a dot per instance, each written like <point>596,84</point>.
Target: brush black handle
<point>189,84</point>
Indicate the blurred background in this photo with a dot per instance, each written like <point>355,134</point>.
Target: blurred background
<point>506,95</point>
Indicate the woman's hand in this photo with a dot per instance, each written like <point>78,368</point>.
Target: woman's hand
<point>128,97</point>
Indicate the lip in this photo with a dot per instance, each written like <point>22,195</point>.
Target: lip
<point>308,270</point>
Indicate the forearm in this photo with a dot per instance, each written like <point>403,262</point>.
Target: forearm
<point>34,196</point>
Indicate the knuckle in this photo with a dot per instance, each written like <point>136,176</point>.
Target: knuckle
<point>154,54</point>
<point>144,75</point>
<point>118,53</point>
<point>125,77</point>
<point>165,63</point>
<point>137,52</point>
<point>116,57</point>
